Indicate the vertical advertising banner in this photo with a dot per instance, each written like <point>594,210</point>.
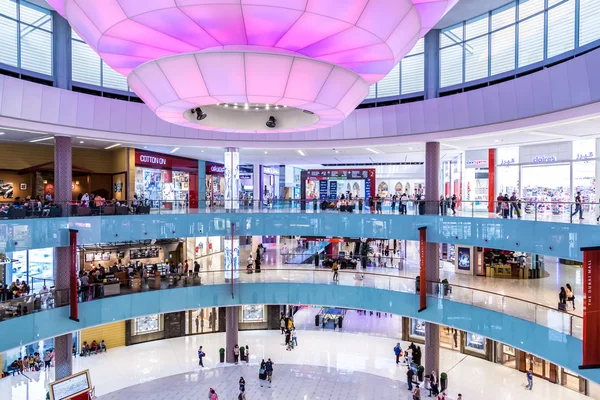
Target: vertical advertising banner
<point>323,190</point>
<point>231,263</point>
<point>332,190</point>
<point>232,179</point>
<point>591,308</point>
<point>423,268</point>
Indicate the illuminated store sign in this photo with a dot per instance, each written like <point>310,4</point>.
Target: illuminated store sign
<point>542,159</point>
<point>476,162</point>
<point>270,171</point>
<point>585,156</point>
<point>508,162</point>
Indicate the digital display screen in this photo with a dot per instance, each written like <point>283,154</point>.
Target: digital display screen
<point>464,258</point>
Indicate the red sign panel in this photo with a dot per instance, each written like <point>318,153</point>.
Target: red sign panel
<point>423,265</point>
<point>591,308</point>
<point>163,161</point>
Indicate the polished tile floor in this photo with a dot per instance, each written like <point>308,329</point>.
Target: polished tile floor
<point>366,362</point>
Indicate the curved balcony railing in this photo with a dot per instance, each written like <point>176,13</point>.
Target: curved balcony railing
<point>532,210</point>
<point>560,321</point>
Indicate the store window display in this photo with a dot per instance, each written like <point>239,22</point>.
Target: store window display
<point>475,342</point>
<point>203,320</point>
<point>147,324</point>
<point>253,313</point>
<point>417,328</point>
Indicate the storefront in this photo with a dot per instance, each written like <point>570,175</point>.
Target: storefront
<point>476,180</point>
<point>549,173</point>
<point>166,181</point>
<point>215,184</point>
<point>36,267</point>
<point>202,320</point>
<point>325,184</point>
<point>270,183</point>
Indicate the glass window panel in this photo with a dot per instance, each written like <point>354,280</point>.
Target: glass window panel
<point>451,65</point>
<point>36,16</point>
<point>554,2</point>
<point>75,36</point>
<point>531,40</point>
<point>419,47</point>
<point>503,50</point>
<point>589,21</point>
<point>86,64</point>
<point>413,74</point>
<point>529,7</point>
<point>8,42</point>
<point>390,85</point>
<point>8,8</point>
<point>372,91</point>
<point>451,35</point>
<point>503,16</point>
<point>476,27</point>
<point>476,58</point>
<point>112,79</point>
<point>36,50</point>
<point>561,28</point>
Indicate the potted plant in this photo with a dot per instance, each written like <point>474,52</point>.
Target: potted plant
<point>443,381</point>
<point>222,355</point>
<point>420,371</point>
<point>365,251</point>
<point>446,286</point>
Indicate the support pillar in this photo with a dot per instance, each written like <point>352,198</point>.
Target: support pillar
<point>232,315</point>
<point>432,63</point>
<point>61,49</point>
<point>432,267</point>
<point>201,184</point>
<point>62,255</point>
<point>256,186</point>
<point>232,192</point>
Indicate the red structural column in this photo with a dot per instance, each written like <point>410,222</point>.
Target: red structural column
<point>422,272</point>
<point>73,275</point>
<point>591,308</point>
<point>491,180</point>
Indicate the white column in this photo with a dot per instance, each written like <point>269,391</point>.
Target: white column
<point>232,178</point>
<point>231,242</point>
<point>256,185</point>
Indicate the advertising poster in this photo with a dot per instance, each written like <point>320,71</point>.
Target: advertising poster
<point>464,258</point>
<point>332,190</point>
<point>423,268</point>
<point>323,190</point>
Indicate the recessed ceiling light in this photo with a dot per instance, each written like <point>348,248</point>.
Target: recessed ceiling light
<point>337,151</point>
<point>145,147</point>
<point>81,142</point>
<point>256,108</point>
<point>112,146</point>
<point>410,148</point>
<point>2,133</point>
<point>246,106</point>
<point>266,152</point>
<point>373,151</point>
<point>284,106</point>
<point>226,105</point>
<point>277,107</point>
<point>497,140</point>
<point>41,139</point>
<point>174,150</point>
<point>234,106</point>
<point>201,151</point>
<point>301,152</point>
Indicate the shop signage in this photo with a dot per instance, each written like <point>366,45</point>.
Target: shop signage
<point>543,159</point>
<point>368,188</point>
<point>585,156</point>
<point>245,176</point>
<point>591,308</point>
<point>215,169</point>
<point>475,163</point>
<point>270,171</point>
<point>163,161</point>
<point>508,162</point>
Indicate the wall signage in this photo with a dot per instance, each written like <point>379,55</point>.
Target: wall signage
<point>163,161</point>
<point>152,160</point>
<point>508,161</point>
<point>585,156</point>
<point>591,308</point>
<point>215,169</point>
<point>475,163</point>
<point>544,159</point>
<point>270,171</point>
<point>323,190</point>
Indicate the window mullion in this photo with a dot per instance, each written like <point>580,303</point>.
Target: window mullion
<point>489,71</point>
<point>545,30</point>
<point>517,25</point>
<point>464,52</point>
<point>577,19</point>
<point>18,5</point>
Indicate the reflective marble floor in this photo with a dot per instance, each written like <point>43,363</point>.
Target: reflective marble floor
<point>342,354</point>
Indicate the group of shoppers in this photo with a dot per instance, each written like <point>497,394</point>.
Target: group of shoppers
<point>32,363</point>
<point>565,296</point>
<point>508,206</point>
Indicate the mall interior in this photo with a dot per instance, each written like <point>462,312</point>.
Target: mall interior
<point>191,188</point>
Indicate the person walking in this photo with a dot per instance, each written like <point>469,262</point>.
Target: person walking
<point>577,207</point>
<point>242,383</point>
<point>247,354</point>
<point>201,355</point>
<point>335,268</point>
<point>288,336</point>
<point>398,353</point>
<point>570,295</point>
<point>236,353</point>
<point>394,198</point>
<point>262,374</point>
<point>269,371</point>
<point>562,299</point>
<point>242,353</point>
<point>282,325</point>
<point>529,379</point>
<point>242,395</point>
<point>453,204</point>
<point>417,393</point>
<point>294,337</point>
<point>212,395</point>
<point>409,377</point>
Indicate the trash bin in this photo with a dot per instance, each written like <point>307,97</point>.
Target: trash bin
<point>418,284</point>
<point>317,320</point>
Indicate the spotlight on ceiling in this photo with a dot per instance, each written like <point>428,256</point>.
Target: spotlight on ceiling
<point>271,123</point>
<point>199,114</point>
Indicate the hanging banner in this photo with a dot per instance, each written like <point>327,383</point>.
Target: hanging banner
<point>423,268</point>
<point>591,308</point>
<point>332,190</point>
<point>323,190</point>
<point>73,298</point>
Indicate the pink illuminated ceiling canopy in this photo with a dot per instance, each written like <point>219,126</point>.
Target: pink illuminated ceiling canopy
<point>174,85</point>
<point>368,37</point>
